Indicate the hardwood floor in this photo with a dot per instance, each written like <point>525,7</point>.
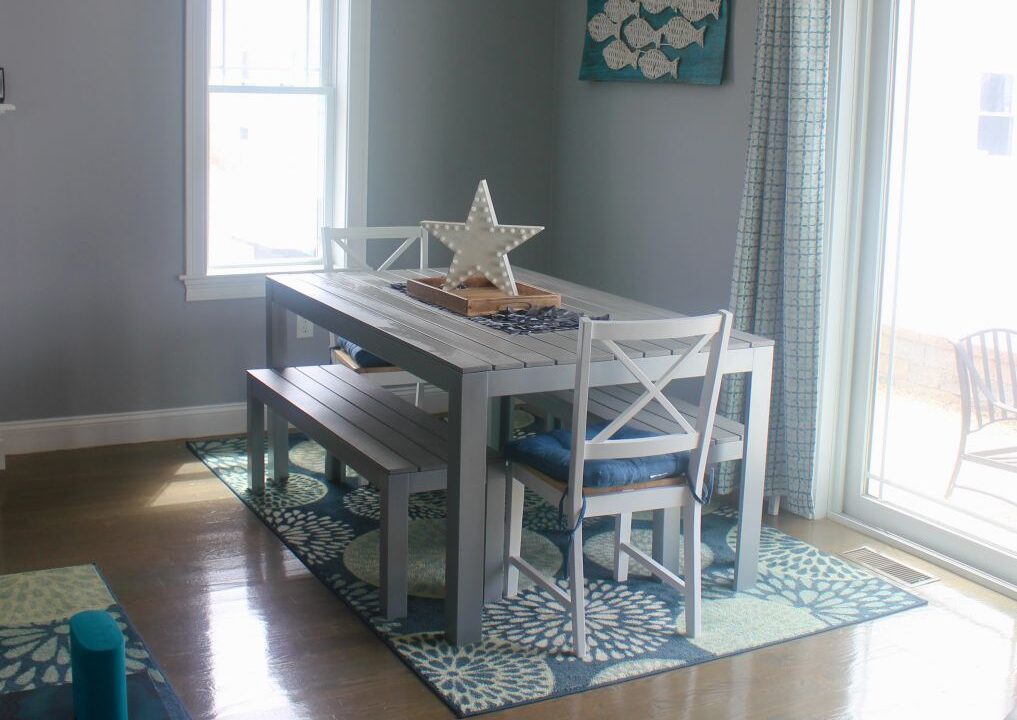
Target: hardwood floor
<point>244,631</point>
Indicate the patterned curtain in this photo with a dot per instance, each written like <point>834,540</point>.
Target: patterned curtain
<point>778,263</point>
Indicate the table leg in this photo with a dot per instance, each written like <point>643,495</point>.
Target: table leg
<point>467,505</point>
<point>278,428</point>
<point>750,501</point>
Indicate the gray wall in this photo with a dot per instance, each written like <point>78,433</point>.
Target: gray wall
<point>453,102</point>
<point>648,178</point>
<point>92,317</point>
<point>639,184</point>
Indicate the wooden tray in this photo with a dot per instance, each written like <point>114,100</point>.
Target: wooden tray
<point>480,297</point>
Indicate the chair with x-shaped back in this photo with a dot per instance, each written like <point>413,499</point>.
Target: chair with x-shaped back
<point>616,469</point>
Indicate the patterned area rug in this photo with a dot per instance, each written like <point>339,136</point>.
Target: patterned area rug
<point>634,627</point>
<point>35,646</point>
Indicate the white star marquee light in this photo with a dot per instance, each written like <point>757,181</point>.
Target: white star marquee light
<point>481,245</point>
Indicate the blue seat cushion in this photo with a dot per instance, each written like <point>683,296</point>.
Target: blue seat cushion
<point>363,358</point>
<point>551,452</point>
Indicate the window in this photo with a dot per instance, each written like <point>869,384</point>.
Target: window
<point>276,129</point>
<point>921,254</point>
<point>995,121</point>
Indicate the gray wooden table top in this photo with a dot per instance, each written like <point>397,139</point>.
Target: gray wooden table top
<point>469,346</point>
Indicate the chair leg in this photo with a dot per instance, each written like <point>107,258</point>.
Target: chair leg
<point>576,586</point>
<point>622,534</point>
<point>394,560</point>
<point>691,540</point>
<point>255,445</point>
<point>418,394</point>
<point>513,531</point>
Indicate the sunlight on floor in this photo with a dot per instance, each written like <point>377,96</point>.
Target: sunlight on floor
<point>192,483</point>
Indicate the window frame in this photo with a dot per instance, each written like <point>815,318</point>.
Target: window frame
<point>859,146</point>
<point>349,23</point>
<point>1007,114</point>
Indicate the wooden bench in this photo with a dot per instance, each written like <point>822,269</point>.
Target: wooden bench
<point>398,448</point>
<point>728,442</point>
<point>728,438</point>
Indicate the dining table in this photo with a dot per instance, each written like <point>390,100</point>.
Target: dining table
<point>477,364</point>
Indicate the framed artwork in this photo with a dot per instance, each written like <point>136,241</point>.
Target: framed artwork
<point>656,40</point>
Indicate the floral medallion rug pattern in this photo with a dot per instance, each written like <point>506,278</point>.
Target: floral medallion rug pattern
<point>634,628</point>
<point>35,644</point>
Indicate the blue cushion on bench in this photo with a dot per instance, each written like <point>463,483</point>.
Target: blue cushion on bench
<point>363,358</point>
<point>551,452</point>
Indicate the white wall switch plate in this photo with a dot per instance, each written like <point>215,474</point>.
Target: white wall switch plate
<point>305,328</point>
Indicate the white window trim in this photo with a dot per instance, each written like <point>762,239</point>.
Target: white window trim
<point>351,144</point>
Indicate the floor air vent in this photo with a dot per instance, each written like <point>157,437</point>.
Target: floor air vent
<point>904,574</point>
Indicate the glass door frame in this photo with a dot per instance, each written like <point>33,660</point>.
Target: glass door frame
<point>862,148</point>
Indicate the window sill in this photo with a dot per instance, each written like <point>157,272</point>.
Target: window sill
<point>223,287</point>
<point>237,286</point>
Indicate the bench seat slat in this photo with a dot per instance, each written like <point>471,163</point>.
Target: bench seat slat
<point>385,397</point>
<point>341,404</point>
<point>723,425</point>
<point>606,406</point>
<point>399,421</point>
<point>303,410</point>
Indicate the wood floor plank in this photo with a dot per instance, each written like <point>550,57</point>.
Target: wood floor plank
<point>244,631</point>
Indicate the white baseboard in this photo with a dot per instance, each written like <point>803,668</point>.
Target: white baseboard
<point>83,431</point>
<point>68,433</point>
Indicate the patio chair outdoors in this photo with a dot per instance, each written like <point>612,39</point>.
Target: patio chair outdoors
<point>987,371</point>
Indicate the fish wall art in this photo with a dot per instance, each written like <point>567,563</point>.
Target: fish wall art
<point>656,40</point>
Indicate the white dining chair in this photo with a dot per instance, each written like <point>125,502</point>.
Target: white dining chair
<point>616,469</point>
<point>350,249</point>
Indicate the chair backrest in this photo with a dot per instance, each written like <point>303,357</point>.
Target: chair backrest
<point>987,371</point>
<point>355,244</point>
<point>707,337</point>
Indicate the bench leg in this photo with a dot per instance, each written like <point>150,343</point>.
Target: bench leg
<point>666,537</point>
<point>494,535</point>
<point>395,511</point>
<point>255,445</point>
<point>335,469</point>
<point>278,447</point>
<point>514,530</point>
<point>622,534</point>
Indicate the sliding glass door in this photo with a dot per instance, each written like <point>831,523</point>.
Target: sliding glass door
<point>932,455</point>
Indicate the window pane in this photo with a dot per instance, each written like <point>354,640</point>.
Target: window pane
<point>948,266</point>
<point>265,42</point>
<point>266,178</point>
<point>994,133</point>
<point>997,93</point>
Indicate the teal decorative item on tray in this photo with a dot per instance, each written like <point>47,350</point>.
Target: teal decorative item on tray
<point>656,40</point>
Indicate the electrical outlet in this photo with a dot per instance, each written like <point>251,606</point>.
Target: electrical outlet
<point>305,328</point>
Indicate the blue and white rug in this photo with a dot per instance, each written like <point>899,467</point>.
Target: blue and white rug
<point>35,646</point>
<point>634,627</point>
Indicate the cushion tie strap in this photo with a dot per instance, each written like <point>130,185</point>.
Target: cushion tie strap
<point>571,533</point>
<point>707,489</point>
